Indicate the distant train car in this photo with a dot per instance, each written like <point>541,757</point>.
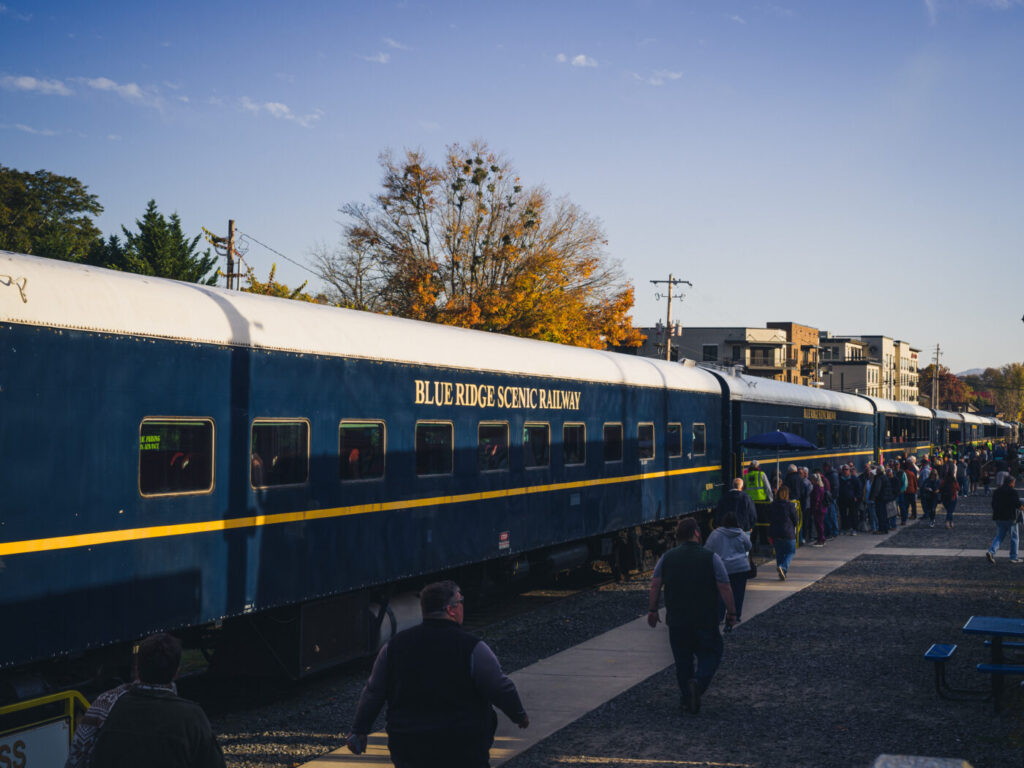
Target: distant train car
<point>902,428</point>
<point>947,429</point>
<point>974,429</point>
<point>840,425</point>
<point>180,457</point>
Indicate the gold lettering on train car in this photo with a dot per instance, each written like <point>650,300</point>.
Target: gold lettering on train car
<point>463,395</point>
<point>819,413</point>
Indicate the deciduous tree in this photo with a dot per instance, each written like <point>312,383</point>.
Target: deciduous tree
<point>1006,385</point>
<point>954,394</point>
<point>270,287</point>
<point>465,243</point>
<point>44,214</point>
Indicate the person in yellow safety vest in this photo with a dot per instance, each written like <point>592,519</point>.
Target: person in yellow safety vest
<point>759,490</point>
<point>756,484</point>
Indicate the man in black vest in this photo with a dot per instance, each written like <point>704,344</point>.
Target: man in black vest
<point>693,578</point>
<point>439,682</point>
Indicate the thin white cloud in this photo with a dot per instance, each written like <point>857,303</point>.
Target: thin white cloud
<point>561,58</point>
<point>394,44</point>
<point>14,14</point>
<point>737,19</point>
<point>659,77</point>
<point>933,11</point>
<point>34,131</point>
<point>584,61</point>
<point>34,85</point>
<point>378,58</point>
<point>183,99</point>
<point>280,111</point>
<point>129,91</point>
<point>113,137</point>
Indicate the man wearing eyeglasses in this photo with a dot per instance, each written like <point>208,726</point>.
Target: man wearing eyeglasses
<point>440,683</point>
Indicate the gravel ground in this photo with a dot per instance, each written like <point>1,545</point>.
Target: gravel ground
<point>832,676</point>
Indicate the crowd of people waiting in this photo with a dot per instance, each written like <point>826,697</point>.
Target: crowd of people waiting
<point>813,506</point>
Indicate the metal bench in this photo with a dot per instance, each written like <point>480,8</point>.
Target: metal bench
<point>998,672</point>
<point>939,654</point>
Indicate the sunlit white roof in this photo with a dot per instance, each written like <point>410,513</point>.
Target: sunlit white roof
<point>900,409</point>
<point>47,292</point>
<point>753,389</point>
<point>971,418</point>
<point>949,416</point>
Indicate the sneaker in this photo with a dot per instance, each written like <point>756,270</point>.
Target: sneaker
<point>853,533</point>
<point>782,573</point>
<point>693,697</point>
<point>931,525</point>
<point>1016,560</point>
<point>991,557</point>
<point>817,544</point>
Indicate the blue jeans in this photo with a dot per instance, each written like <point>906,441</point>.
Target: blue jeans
<point>882,514</point>
<point>903,505</point>
<point>705,644</point>
<point>950,505</point>
<point>1004,527</point>
<point>832,520</point>
<point>738,582</point>
<point>784,551</point>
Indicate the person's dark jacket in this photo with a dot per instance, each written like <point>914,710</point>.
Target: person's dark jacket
<point>832,476</point>
<point>889,489</point>
<point>1005,502</point>
<point>949,488</point>
<point>782,520</point>
<point>156,728</point>
<point>795,483</point>
<point>741,505</point>
<point>438,680</point>
<point>849,488</point>
<point>872,487</point>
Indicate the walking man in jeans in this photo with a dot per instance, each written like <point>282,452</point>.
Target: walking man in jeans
<point>694,578</point>
<point>1005,508</point>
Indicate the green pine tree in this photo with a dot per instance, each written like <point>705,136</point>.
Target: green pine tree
<point>159,248</point>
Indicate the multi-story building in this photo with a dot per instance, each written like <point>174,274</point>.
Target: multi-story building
<point>845,365</point>
<point>761,351</point>
<point>803,353</point>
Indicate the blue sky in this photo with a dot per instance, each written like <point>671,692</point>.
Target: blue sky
<point>853,165</point>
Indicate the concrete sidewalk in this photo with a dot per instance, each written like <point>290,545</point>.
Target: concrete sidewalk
<point>562,688</point>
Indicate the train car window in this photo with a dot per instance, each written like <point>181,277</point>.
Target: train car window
<point>797,428</point>
<point>175,456</point>
<point>279,453</point>
<point>492,447</point>
<point>783,426</point>
<point>361,448</point>
<point>848,435</point>
<point>821,433</point>
<point>645,441</point>
<point>837,435</point>
<point>674,440</point>
<point>699,440</point>
<point>434,448</point>
<point>536,445</point>
<point>574,444</point>
<point>613,442</point>
<point>746,430</point>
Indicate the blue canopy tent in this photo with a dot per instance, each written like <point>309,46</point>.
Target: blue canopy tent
<point>778,441</point>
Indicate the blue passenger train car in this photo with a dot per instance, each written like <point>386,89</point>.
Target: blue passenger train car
<point>904,429</point>
<point>840,425</point>
<point>184,457</point>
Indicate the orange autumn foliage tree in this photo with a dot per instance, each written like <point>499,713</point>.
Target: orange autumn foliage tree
<point>465,243</point>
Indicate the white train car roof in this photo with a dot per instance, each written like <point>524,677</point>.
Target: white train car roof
<point>899,408</point>
<point>970,418</point>
<point>46,292</point>
<point>949,416</point>
<point>756,390</point>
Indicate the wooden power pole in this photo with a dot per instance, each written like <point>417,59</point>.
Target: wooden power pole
<point>672,282</point>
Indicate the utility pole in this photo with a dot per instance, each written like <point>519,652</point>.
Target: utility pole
<point>672,283</point>
<point>225,246</point>
<point>935,380</point>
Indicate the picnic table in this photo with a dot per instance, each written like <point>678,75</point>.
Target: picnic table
<point>1002,633</point>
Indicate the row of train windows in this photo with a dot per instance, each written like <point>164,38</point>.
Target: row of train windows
<point>843,435</point>
<point>176,456</point>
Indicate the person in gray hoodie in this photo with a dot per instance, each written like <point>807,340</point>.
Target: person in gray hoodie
<point>731,544</point>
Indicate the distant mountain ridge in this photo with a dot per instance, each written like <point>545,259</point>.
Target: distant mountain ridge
<point>970,372</point>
